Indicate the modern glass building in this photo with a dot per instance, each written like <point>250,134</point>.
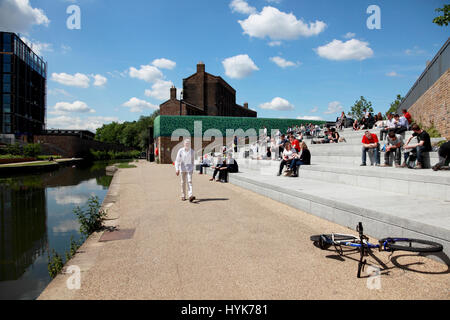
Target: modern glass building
<point>23,77</point>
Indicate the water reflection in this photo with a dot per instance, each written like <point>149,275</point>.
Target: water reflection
<point>36,215</point>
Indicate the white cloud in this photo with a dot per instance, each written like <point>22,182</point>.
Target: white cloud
<point>416,51</point>
<point>147,73</point>
<point>239,66</point>
<point>277,25</point>
<point>77,123</point>
<point>241,6</point>
<point>70,225</point>
<point>19,16</point>
<point>164,63</point>
<point>78,80</point>
<point>277,103</point>
<point>350,50</point>
<point>314,110</point>
<point>274,43</point>
<point>334,107</point>
<point>310,118</point>
<point>349,35</point>
<point>392,74</point>
<point>283,63</point>
<point>67,107</point>
<point>56,92</point>
<point>99,80</point>
<point>38,47</point>
<point>137,105</point>
<point>160,90</point>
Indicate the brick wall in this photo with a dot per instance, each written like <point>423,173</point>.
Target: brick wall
<point>432,108</point>
<point>72,146</point>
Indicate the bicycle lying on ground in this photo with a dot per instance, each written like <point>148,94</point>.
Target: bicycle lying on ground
<point>325,241</point>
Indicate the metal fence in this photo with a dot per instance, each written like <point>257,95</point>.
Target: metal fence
<point>435,69</point>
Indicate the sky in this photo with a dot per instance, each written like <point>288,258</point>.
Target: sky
<point>116,60</point>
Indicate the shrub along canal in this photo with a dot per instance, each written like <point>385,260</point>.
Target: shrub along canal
<point>36,217</point>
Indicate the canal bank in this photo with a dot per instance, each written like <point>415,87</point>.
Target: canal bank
<point>36,217</point>
<point>230,243</point>
<point>37,166</point>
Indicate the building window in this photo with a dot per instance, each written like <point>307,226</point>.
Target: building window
<point>6,87</point>
<point>6,58</point>
<point>6,67</point>
<point>7,119</point>
<point>6,98</point>
<point>6,107</point>
<point>6,78</point>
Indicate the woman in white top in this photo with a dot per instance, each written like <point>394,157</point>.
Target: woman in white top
<point>288,155</point>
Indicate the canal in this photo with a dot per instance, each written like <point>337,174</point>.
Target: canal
<point>36,216</point>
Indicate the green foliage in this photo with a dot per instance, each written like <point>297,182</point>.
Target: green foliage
<point>395,104</point>
<point>32,150</point>
<point>131,134</point>
<point>433,132</point>
<point>166,125</point>
<point>126,166</point>
<point>356,111</point>
<point>14,149</point>
<point>440,143</point>
<point>74,246</point>
<point>90,218</point>
<point>55,264</point>
<point>112,155</point>
<point>445,18</point>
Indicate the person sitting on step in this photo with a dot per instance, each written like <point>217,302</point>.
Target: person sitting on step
<point>216,167</point>
<point>288,155</point>
<point>417,150</point>
<point>444,157</point>
<point>370,144</point>
<point>393,146</point>
<point>300,159</point>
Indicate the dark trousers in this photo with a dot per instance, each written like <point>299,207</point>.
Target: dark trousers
<point>203,166</point>
<point>284,163</point>
<point>223,175</point>
<point>295,164</point>
<point>215,173</point>
<point>416,153</point>
<point>400,130</point>
<point>397,155</point>
<point>383,132</point>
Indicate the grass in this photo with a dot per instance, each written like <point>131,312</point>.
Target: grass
<point>126,166</point>
<point>30,164</point>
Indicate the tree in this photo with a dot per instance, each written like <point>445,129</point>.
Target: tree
<point>395,104</point>
<point>356,111</point>
<point>445,18</point>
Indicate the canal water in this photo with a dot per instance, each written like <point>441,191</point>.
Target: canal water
<point>36,216</point>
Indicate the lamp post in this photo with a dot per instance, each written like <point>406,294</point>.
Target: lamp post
<point>181,100</point>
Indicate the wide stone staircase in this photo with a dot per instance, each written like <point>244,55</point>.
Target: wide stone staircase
<point>397,202</point>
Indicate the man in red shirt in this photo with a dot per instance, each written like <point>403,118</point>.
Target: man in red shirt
<point>407,115</point>
<point>371,144</point>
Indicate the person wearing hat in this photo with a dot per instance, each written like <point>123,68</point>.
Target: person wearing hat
<point>184,166</point>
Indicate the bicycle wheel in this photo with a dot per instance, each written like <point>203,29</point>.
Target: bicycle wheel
<point>412,245</point>
<point>325,240</point>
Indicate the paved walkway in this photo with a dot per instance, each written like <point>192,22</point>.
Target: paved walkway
<point>231,244</point>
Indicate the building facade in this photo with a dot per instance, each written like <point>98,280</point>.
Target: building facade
<point>205,95</point>
<point>428,101</point>
<point>23,89</point>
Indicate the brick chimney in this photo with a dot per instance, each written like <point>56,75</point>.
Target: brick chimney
<point>246,105</point>
<point>201,67</point>
<point>173,93</point>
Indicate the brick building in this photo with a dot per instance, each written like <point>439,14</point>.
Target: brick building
<point>205,95</point>
<point>428,101</point>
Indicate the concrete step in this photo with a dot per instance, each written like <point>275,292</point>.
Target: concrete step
<point>383,213</point>
<point>419,183</point>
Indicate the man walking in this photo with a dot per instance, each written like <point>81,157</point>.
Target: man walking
<point>184,165</point>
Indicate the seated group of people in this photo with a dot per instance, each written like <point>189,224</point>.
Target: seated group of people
<point>294,155</point>
<point>223,166</point>
<point>394,145</point>
<point>331,136</point>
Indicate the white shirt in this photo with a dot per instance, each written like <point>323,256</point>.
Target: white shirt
<point>185,160</point>
<point>289,153</point>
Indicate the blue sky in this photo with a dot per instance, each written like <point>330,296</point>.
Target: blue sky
<point>286,58</point>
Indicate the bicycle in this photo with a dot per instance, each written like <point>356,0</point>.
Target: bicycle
<point>362,244</point>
